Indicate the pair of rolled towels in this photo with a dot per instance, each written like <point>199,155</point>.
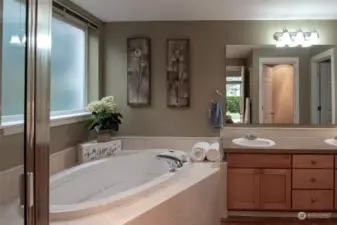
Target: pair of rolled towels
<point>204,150</point>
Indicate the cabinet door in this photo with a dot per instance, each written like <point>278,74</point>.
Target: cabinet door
<point>243,189</point>
<point>275,189</point>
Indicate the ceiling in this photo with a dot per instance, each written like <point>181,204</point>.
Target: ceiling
<point>189,10</point>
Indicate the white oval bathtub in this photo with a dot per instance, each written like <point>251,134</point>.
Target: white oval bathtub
<point>107,183</point>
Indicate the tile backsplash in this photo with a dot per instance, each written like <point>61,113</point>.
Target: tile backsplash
<point>176,143</point>
<point>285,138</point>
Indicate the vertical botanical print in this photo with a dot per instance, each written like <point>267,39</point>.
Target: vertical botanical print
<point>139,74</point>
<point>178,73</point>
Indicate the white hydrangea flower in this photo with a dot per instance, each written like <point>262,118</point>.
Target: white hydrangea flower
<point>108,99</point>
<point>96,107</point>
<point>110,104</point>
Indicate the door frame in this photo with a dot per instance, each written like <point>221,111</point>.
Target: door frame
<point>294,61</point>
<point>329,54</point>
<point>37,101</point>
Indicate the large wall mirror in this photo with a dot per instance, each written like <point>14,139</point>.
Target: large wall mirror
<point>280,86</point>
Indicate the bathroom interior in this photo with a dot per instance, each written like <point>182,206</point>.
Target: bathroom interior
<point>148,113</point>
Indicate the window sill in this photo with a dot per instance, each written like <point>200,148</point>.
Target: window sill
<point>12,128</point>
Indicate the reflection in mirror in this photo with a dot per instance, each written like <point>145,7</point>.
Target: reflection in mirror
<point>284,86</point>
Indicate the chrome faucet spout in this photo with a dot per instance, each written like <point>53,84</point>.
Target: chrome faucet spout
<point>179,162</point>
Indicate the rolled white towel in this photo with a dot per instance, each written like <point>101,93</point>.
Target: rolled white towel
<point>213,153</point>
<point>198,152</point>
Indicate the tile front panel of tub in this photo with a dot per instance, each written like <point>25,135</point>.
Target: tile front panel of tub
<point>197,205</point>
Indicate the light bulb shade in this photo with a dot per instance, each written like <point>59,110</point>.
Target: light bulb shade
<point>286,38</point>
<point>314,37</point>
<point>306,44</point>
<point>299,38</point>
<point>280,44</point>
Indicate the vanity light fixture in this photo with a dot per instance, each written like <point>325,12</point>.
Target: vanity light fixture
<point>296,39</point>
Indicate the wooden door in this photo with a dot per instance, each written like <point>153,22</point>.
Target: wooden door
<point>267,95</point>
<point>243,189</point>
<point>275,189</point>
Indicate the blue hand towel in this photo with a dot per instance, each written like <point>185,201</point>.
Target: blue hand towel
<point>216,115</point>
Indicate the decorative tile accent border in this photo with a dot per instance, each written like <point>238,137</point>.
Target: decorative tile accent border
<point>95,150</point>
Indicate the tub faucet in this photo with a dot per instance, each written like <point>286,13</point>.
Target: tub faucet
<point>177,161</point>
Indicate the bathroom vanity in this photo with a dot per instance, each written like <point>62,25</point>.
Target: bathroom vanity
<point>281,180</point>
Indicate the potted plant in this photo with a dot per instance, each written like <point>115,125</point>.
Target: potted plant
<point>105,118</point>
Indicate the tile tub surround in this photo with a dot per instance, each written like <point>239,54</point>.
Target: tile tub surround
<point>285,138</point>
<point>9,179</point>
<point>177,143</point>
<point>191,199</point>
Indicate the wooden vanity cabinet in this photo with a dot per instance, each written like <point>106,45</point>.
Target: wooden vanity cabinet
<point>282,182</point>
<point>258,187</point>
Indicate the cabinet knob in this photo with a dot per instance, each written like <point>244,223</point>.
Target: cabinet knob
<point>313,200</point>
<point>313,180</point>
<point>313,162</point>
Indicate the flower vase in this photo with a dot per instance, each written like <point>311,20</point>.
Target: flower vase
<point>103,136</point>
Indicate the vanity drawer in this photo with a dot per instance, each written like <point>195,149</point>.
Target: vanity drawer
<point>312,200</point>
<point>313,161</point>
<point>259,160</point>
<point>313,179</point>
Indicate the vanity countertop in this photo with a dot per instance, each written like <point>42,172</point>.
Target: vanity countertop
<point>281,151</point>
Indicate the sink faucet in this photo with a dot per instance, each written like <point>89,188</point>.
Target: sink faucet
<point>250,137</point>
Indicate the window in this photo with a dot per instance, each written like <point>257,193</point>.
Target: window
<point>68,65</point>
<point>13,61</point>
<point>233,97</point>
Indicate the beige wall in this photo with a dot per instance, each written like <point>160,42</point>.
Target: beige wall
<point>61,138</point>
<point>235,62</point>
<point>207,42</point>
<point>283,94</point>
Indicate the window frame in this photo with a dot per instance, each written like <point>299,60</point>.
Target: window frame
<point>14,123</point>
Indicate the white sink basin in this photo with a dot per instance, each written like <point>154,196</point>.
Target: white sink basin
<point>331,141</point>
<point>257,143</point>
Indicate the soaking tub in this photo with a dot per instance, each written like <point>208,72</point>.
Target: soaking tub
<point>108,183</point>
